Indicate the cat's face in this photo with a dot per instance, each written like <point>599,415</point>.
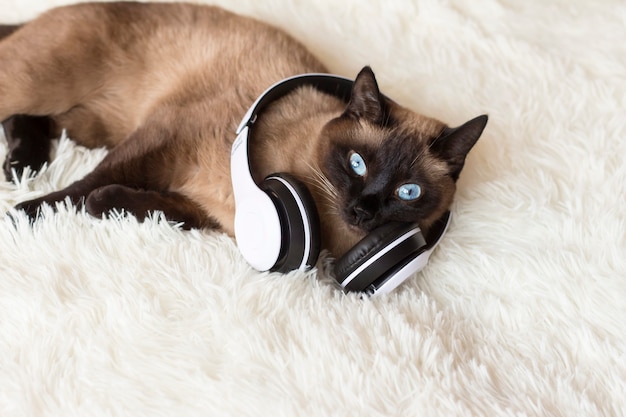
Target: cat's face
<point>386,163</point>
<point>387,174</point>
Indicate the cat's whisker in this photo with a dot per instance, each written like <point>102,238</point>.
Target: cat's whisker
<point>323,182</point>
<point>329,196</point>
<point>327,190</point>
<point>419,155</point>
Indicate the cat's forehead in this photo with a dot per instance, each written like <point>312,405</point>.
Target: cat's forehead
<point>413,123</point>
<point>410,134</point>
<point>402,145</point>
<point>402,134</point>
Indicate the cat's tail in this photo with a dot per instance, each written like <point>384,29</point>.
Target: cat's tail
<point>6,30</point>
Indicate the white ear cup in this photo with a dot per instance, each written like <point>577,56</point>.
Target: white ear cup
<point>258,233</point>
<point>257,223</point>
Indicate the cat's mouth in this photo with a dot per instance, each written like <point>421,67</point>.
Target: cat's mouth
<point>363,215</point>
<point>361,221</point>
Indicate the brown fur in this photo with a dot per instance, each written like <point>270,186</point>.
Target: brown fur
<point>164,87</point>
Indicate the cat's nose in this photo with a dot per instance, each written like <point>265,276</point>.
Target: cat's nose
<point>364,211</point>
<point>362,214</point>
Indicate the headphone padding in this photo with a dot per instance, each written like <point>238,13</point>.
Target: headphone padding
<point>371,245</point>
<point>292,215</point>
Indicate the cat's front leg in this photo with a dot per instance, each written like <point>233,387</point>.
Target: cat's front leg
<point>176,207</point>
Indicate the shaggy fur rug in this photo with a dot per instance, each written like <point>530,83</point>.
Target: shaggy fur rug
<point>521,312</point>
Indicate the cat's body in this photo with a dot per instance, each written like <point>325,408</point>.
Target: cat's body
<point>164,86</point>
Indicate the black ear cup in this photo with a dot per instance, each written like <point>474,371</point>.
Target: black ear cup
<point>299,219</point>
<point>379,254</point>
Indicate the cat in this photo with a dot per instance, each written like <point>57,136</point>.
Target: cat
<point>164,86</point>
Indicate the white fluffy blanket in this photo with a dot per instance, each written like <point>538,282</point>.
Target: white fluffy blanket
<point>522,311</point>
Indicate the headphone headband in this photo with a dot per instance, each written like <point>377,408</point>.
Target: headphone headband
<point>327,83</point>
<point>259,231</point>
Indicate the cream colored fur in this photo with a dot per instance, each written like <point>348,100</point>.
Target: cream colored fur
<point>522,311</point>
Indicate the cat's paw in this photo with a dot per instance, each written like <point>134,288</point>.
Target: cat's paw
<point>103,200</point>
<point>31,207</point>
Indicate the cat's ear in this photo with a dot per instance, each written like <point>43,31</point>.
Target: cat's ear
<point>365,99</point>
<point>453,144</point>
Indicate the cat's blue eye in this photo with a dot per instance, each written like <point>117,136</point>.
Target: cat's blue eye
<point>409,192</point>
<point>357,164</point>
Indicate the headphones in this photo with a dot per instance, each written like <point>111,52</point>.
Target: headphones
<point>277,224</point>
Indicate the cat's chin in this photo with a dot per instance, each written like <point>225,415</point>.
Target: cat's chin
<point>340,238</point>
<point>357,230</point>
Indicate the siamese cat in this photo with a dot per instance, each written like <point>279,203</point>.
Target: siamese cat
<point>164,86</point>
